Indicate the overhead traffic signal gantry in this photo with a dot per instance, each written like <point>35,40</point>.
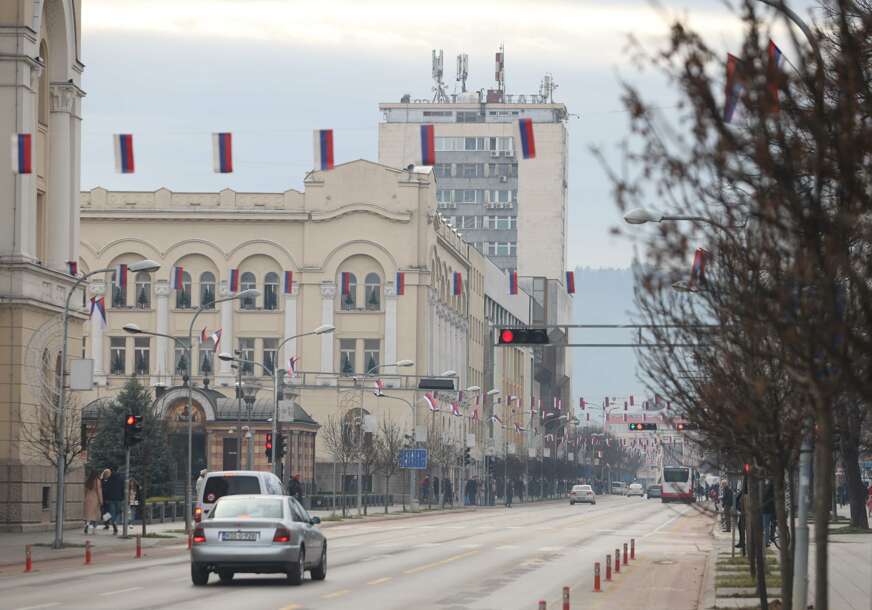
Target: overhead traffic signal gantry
<point>638,427</point>
<point>523,336</point>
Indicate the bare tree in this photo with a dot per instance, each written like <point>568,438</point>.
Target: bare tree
<point>390,440</point>
<point>338,439</point>
<point>43,433</point>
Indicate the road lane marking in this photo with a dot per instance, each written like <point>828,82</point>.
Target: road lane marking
<point>121,591</point>
<point>443,562</point>
<point>470,546</point>
<point>336,594</point>
<point>507,547</point>
<point>48,605</point>
<point>550,549</point>
<point>292,607</point>
<point>379,581</point>
<point>664,524</point>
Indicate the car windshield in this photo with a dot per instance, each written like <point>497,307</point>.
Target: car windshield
<point>248,508</point>
<point>220,486</point>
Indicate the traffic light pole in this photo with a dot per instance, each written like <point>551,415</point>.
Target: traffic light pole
<point>126,505</point>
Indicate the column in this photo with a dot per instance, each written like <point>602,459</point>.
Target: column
<point>97,289</point>
<point>227,376</point>
<point>75,162</point>
<point>290,348</point>
<point>390,329</point>
<point>59,192</point>
<point>328,295</point>
<point>162,325</point>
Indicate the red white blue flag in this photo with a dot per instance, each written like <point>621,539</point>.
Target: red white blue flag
<point>73,268</point>
<point>401,283</point>
<point>379,387</point>
<point>178,278</point>
<point>234,280</point>
<point>697,270</point>
<point>776,58</point>
<point>457,284</point>
<point>428,145</point>
<point>22,153</point>
<point>345,281</point>
<point>431,402</point>
<point>527,138</point>
<point>222,153</point>
<point>323,142</point>
<point>513,282</point>
<point>734,87</point>
<point>124,153</point>
<point>99,304</point>
<point>293,361</point>
<point>216,338</point>
<point>289,282</point>
<point>121,276</point>
<point>204,335</point>
<point>570,282</point>
<point>455,410</point>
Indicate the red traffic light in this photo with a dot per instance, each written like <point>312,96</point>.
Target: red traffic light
<point>507,336</point>
<point>523,336</point>
<point>746,468</point>
<point>131,419</point>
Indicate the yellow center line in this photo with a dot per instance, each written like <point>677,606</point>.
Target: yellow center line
<point>336,594</point>
<point>436,564</point>
<point>379,581</point>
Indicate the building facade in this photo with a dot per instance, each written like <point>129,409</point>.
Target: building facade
<point>342,243</point>
<point>40,73</point>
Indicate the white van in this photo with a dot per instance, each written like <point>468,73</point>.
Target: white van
<point>619,488</point>
<point>234,483</point>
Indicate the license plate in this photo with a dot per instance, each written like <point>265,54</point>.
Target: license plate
<point>236,536</point>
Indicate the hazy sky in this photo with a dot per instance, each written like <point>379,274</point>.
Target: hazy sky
<point>173,71</point>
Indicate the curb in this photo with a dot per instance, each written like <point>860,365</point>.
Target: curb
<point>707,599</point>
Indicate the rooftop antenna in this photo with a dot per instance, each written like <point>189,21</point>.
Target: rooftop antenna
<point>546,89</point>
<point>501,69</point>
<point>462,70</point>
<point>439,94</point>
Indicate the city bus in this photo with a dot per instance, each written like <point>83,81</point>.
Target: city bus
<point>678,483</point>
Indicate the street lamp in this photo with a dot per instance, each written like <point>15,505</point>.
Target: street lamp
<point>407,363</point>
<point>143,265</point>
<point>249,391</point>
<point>251,292</point>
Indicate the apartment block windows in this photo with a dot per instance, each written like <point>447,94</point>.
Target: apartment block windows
<point>499,248</point>
<point>246,352</point>
<point>141,355</point>
<point>117,355</point>
<point>470,170</point>
<point>500,223</point>
<point>442,170</point>
<point>270,354</point>
<point>371,349</point>
<point>347,349</point>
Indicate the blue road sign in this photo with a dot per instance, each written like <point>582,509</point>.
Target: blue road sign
<point>413,458</point>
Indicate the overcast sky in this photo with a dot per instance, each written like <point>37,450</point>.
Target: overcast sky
<point>173,71</point>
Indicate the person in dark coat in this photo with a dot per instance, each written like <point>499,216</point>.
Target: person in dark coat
<point>295,488</point>
<point>468,492</point>
<point>767,508</point>
<point>113,495</point>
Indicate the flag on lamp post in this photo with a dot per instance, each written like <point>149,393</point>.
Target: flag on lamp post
<point>431,402</point>
<point>216,338</point>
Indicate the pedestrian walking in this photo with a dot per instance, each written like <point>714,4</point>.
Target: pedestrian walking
<point>448,493</point>
<point>468,492</point>
<point>93,501</point>
<point>425,489</point>
<point>113,494</point>
<point>295,488</point>
<point>767,508</point>
<point>726,503</point>
<point>741,507</point>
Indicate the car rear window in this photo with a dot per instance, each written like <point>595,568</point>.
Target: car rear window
<point>675,475</point>
<point>248,508</point>
<point>218,487</point>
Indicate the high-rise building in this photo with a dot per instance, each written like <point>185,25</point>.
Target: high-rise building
<point>510,208</point>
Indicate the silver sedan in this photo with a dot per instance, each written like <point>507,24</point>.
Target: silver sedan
<point>261,534</point>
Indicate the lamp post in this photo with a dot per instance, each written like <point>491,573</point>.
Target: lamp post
<point>399,363</point>
<point>143,265</point>
<point>249,391</point>
<point>411,406</point>
<point>133,328</point>
<point>488,492</point>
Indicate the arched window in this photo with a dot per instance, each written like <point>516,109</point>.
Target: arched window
<point>119,293</point>
<point>372,294</point>
<point>207,290</point>
<point>271,291</point>
<point>183,294</point>
<point>247,282</point>
<point>143,290</point>
<point>348,293</point>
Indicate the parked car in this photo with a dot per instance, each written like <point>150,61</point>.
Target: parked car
<point>232,483</point>
<point>654,491</point>
<point>581,493</point>
<point>261,534</point>
<point>635,489</point>
<point>619,488</point>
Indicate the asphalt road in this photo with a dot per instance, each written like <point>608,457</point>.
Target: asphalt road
<point>489,559</point>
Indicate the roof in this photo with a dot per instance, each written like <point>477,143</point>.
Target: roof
<point>227,409</point>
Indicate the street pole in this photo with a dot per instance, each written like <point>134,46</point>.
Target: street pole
<point>800,562</point>
<point>276,375</point>
<point>126,493</point>
<point>239,418</point>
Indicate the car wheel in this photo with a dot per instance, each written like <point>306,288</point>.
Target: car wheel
<point>225,575</point>
<point>319,572</point>
<point>199,574</point>
<point>296,570</point>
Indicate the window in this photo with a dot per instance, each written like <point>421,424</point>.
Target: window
<point>183,294</point>
<point>207,357</point>
<point>119,294</point>
<point>46,496</point>
<point>347,348</point>
<point>509,170</point>
<point>467,196</point>
<point>248,282</point>
<point>500,223</point>
<point>349,297</point>
<point>219,486</point>
<point>469,117</point>
<point>442,170</point>
<point>207,290</point>
<point>467,222</point>
<point>443,196</point>
<point>180,360</point>
<point>141,355</point>
<point>372,294</point>
<point>246,352</point>
<point>271,291</point>
<point>470,170</point>
<point>371,354</point>
<point>475,143</point>
<point>270,353</point>
<point>117,355</point>
<point>143,290</point>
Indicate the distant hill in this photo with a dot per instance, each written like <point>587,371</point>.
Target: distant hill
<point>603,296</point>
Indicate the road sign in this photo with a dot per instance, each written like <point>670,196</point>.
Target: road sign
<point>413,458</point>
